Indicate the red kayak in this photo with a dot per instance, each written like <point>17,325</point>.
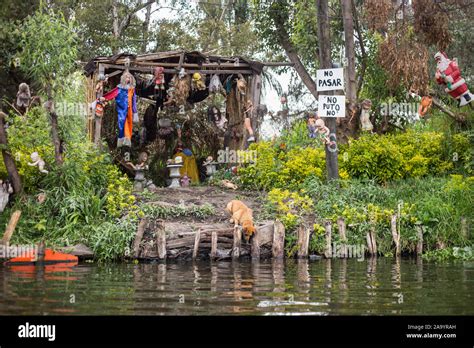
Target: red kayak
<point>50,257</point>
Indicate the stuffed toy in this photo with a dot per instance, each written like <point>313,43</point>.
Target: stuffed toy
<point>126,104</point>
<point>365,114</point>
<point>323,131</point>
<point>23,96</point>
<point>198,82</point>
<point>159,78</point>
<point>425,105</point>
<point>449,75</point>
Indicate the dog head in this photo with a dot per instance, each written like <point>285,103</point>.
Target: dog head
<point>249,229</point>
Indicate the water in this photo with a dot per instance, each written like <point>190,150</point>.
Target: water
<point>325,287</point>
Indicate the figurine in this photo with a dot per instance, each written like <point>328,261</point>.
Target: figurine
<point>139,183</point>
<point>38,161</point>
<point>449,75</point>
<point>5,190</point>
<point>159,78</point>
<point>23,97</point>
<point>323,131</point>
<point>365,114</point>
<point>311,125</point>
<point>185,180</point>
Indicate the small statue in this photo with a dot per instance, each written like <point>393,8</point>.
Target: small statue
<point>365,115</point>
<point>210,166</point>
<point>139,183</point>
<point>185,180</point>
<point>425,105</point>
<point>38,161</point>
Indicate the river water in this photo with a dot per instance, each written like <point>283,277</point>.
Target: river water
<point>294,287</point>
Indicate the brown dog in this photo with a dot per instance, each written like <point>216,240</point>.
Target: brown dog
<point>241,215</point>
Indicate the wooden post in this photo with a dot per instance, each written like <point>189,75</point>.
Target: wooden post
<point>395,233</point>
<point>98,120</point>
<point>41,252</point>
<point>419,244</point>
<point>328,251</point>
<point>237,242</point>
<point>161,239</point>
<point>255,246</point>
<point>464,228</point>
<point>213,245</point>
<point>138,237</point>
<point>278,250</point>
<point>371,242</point>
<point>341,226</point>
<point>303,241</point>
<point>11,227</point>
<point>197,239</point>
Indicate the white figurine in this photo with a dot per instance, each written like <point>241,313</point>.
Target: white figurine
<point>38,161</point>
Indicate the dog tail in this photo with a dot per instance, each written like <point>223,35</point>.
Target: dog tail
<point>229,207</point>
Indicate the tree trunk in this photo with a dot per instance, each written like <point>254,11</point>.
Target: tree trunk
<point>56,141</point>
<point>284,40</point>
<point>350,121</point>
<point>146,25</point>
<point>7,157</point>
<point>325,63</point>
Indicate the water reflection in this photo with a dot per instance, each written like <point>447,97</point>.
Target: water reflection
<point>274,287</point>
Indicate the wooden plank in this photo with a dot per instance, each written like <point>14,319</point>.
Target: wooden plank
<point>255,246</point>
<point>278,247</point>
<point>328,249</point>
<point>98,120</point>
<point>11,227</point>
<point>395,233</point>
<point>237,242</point>
<point>197,239</point>
<point>138,237</point>
<point>341,226</point>
<point>419,244</point>
<point>303,241</point>
<point>214,245</point>
<point>161,239</point>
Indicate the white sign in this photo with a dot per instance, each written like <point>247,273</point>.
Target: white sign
<point>332,106</point>
<point>330,79</point>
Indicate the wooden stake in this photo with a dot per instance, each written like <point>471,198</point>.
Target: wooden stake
<point>197,239</point>
<point>161,239</point>
<point>328,251</point>
<point>464,228</point>
<point>419,244</point>
<point>213,245</point>
<point>255,246</point>
<point>395,233</point>
<point>11,227</point>
<point>278,250</point>
<point>341,226</point>
<point>138,237</point>
<point>237,242</point>
<point>303,241</point>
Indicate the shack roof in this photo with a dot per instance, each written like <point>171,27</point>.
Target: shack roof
<point>172,61</point>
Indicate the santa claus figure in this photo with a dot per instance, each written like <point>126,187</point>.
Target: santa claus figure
<point>449,75</point>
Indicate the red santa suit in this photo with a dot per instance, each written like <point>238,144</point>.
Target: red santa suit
<point>448,74</point>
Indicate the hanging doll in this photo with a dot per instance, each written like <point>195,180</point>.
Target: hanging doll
<point>241,84</point>
<point>215,85</point>
<point>247,121</point>
<point>214,115</point>
<point>284,102</point>
<point>126,101</point>
<point>99,87</point>
<point>323,131</point>
<point>197,82</point>
<point>159,78</point>
<point>182,73</point>
<point>449,75</point>
<point>37,161</point>
<point>23,97</point>
<point>311,125</point>
<point>365,114</point>
<point>6,190</point>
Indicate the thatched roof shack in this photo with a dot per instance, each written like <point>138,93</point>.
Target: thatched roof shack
<point>173,62</point>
